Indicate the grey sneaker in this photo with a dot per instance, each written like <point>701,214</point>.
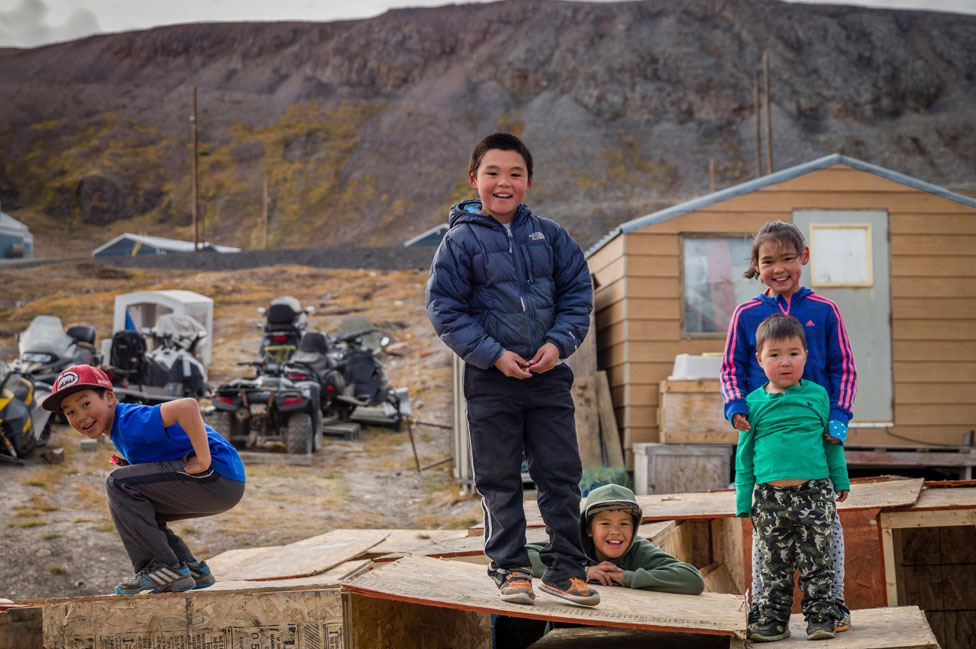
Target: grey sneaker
<point>201,574</point>
<point>820,627</point>
<point>769,630</point>
<point>158,578</point>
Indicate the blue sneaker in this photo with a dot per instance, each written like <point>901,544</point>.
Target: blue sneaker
<point>201,574</point>
<point>158,578</point>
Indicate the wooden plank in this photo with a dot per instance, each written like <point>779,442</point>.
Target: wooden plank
<point>584,360</point>
<point>463,586</point>
<point>729,436</point>
<point>403,541</point>
<point>309,619</point>
<point>937,518</point>
<point>608,421</point>
<point>932,308</point>
<point>609,294</point>
<point>904,627</point>
<point>21,628</point>
<point>910,436</point>
<point>612,252</point>
<point>927,372</point>
<point>649,372</point>
<point>718,579</point>
<point>587,422</point>
<point>669,468</point>
<point>300,559</point>
<point>932,223</point>
<point>611,314</point>
<point>933,266</point>
<point>884,458</point>
<point>932,287</point>
<point>909,393</point>
<point>933,244</point>
<point>905,329</point>
<point>652,266</point>
<point>727,535</point>
<point>328,579</point>
<point>640,415</point>
<point>638,393</point>
<point>841,178</point>
<point>946,497</point>
<point>934,414</point>
<point>647,242</point>
<point>653,308</point>
<point>707,220</point>
<point>933,350</point>
<point>660,330</point>
<point>666,287</point>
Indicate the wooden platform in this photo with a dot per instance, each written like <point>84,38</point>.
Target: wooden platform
<point>461,586</point>
<point>868,493</point>
<point>879,628</point>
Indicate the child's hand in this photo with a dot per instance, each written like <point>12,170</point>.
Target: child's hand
<point>195,465</point>
<point>605,573</point>
<point>544,359</point>
<point>740,421</point>
<point>842,495</point>
<point>836,432</point>
<point>512,365</point>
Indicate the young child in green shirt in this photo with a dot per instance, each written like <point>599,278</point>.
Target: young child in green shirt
<point>794,471</point>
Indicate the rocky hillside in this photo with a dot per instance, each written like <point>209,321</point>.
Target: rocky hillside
<point>362,128</point>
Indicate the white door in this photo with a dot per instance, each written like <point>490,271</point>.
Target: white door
<point>849,264</point>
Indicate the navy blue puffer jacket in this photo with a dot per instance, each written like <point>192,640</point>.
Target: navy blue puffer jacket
<point>488,292</point>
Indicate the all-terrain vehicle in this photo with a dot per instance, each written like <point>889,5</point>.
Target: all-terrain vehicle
<point>269,407</point>
<point>24,425</point>
<point>45,348</point>
<point>159,364</point>
<point>314,362</point>
<point>285,321</point>
<point>367,397</point>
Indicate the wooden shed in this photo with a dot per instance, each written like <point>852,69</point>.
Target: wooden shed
<point>897,254</point>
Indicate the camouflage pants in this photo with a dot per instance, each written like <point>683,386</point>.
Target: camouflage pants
<point>793,524</point>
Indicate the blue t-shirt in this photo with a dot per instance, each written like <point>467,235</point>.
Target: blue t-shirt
<point>139,435</point>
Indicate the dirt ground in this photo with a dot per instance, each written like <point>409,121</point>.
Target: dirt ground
<point>56,533</point>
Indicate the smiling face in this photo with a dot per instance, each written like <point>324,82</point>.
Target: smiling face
<point>89,413</point>
<point>779,266</point>
<point>501,181</point>
<point>611,531</point>
<point>782,361</point>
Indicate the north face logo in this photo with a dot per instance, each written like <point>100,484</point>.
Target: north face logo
<point>66,379</point>
<point>537,236</point>
<point>810,324</point>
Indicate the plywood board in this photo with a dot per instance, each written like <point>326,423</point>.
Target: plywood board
<point>865,494</point>
<point>404,541</point>
<point>605,638</point>
<point>328,579</point>
<point>903,627</point>
<point>948,497</point>
<point>608,421</point>
<point>587,422</point>
<point>300,559</point>
<point>463,586</point>
<point>374,623</point>
<point>310,619</point>
<point>474,545</point>
<point>20,628</point>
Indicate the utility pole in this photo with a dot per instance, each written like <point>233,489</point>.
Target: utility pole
<point>196,177</point>
<point>265,212</point>
<point>711,175</point>
<point>769,117</point>
<point>758,112</point>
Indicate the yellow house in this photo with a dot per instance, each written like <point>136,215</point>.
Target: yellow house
<point>897,254</point>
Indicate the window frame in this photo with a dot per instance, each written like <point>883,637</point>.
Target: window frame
<point>868,255</point>
<point>682,237</point>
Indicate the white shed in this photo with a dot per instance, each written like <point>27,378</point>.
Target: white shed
<point>144,308</point>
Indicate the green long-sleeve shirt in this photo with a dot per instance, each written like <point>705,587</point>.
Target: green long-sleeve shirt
<point>785,441</point>
<point>645,566</point>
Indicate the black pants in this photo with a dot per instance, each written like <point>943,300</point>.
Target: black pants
<point>507,417</point>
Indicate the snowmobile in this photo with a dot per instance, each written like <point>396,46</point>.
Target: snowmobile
<point>285,323</point>
<point>367,396</point>
<point>24,424</point>
<point>45,348</point>
<point>314,362</point>
<point>163,369</point>
<point>269,407</point>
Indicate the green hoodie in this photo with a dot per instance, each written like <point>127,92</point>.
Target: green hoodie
<point>644,564</point>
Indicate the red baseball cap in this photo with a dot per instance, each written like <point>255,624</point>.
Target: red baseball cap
<point>75,379</point>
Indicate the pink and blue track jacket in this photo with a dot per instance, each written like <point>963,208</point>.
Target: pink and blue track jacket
<point>830,359</point>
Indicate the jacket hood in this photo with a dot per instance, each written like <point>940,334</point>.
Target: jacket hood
<point>606,498</point>
<point>469,211</point>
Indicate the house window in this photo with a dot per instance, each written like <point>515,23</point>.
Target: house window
<point>713,281</point>
<point>840,255</point>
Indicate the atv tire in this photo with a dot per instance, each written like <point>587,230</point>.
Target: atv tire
<point>298,435</point>
<point>23,443</point>
<point>228,427</point>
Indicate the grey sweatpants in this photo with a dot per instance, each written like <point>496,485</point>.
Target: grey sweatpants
<point>143,498</point>
<point>836,552</point>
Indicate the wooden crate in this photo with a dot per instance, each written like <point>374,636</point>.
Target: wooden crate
<point>259,619</point>
<point>681,468</point>
<point>691,412</point>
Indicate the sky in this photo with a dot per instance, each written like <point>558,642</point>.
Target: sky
<point>28,23</point>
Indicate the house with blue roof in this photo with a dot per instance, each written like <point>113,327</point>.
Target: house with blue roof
<point>896,253</point>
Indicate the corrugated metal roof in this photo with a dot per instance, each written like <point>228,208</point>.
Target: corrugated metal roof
<point>773,179</point>
<point>161,243</point>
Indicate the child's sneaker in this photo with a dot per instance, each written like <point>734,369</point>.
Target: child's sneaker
<point>158,578</point>
<point>843,622</point>
<point>515,586</point>
<point>769,630</point>
<point>573,589</point>
<point>201,574</point>
<point>753,618</point>
<point>820,627</point>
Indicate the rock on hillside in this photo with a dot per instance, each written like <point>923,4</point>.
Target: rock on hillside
<point>362,128</point>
